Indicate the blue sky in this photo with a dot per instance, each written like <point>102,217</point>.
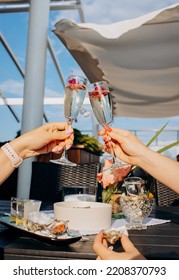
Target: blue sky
<point>14,28</point>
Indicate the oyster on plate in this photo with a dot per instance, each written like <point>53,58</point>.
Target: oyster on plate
<point>38,221</point>
<point>58,227</point>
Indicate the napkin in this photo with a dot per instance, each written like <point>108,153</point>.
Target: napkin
<point>147,221</point>
<point>121,223</point>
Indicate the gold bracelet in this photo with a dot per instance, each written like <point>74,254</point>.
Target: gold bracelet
<point>12,155</point>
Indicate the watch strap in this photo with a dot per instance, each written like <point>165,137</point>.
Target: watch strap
<point>12,155</point>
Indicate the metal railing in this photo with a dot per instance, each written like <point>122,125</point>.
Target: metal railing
<point>24,6</point>
<point>166,137</point>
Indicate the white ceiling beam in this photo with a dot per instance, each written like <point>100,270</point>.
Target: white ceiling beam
<point>47,101</point>
<point>54,6</point>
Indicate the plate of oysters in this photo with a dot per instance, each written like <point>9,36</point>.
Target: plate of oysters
<point>45,228</point>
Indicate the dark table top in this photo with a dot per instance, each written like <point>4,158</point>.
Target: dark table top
<point>156,242</point>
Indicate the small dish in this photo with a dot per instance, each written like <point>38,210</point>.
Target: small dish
<point>43,236</point>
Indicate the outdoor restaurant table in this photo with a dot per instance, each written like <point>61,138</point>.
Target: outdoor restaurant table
<point>156,242</point>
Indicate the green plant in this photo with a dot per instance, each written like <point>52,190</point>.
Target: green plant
<point>90,143</point>
<point>166,147</point>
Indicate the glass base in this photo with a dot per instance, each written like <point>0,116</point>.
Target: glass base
<point>63,161</point>
<point>136,226</point>
<point>118,215</point>
<point>116,166</point>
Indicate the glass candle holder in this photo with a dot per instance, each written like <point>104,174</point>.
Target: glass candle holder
<point>136,203</point>
<point>136,209</point>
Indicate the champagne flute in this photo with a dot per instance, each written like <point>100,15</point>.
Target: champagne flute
<point>101,104</point>
<point>75,91</point>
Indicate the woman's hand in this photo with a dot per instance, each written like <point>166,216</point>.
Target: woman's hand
<point>126,145</point>
<point>46,138</point>
<point>105,253</point>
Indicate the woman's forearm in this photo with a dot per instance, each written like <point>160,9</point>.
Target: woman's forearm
<point>6,163</point>
<point>6,167</point>
<point>161,168</point>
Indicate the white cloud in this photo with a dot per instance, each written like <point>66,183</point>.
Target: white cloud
<point>15,88</point>
<point>105,11</point>
<point>51,93</point>
<point>12,87</point>
<point>68,14</point>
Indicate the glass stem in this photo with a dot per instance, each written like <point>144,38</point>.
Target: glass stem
<point>113,154</point>
<point>69,123</point>
<point>115,159</point>
<point>64,153</point>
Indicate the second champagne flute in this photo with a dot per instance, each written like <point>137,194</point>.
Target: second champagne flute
<point>75,91</point>
<point>101,104</point>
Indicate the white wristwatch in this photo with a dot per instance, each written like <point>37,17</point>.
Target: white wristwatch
<point>12,155</point>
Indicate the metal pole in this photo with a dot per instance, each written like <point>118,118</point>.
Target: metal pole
<point>81,14</point>
<point>9,107</point>
<point>10,52</point>
<point>55,60</point>
<point>32,114</point>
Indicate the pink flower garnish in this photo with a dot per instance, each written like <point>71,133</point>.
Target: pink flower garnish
<point>110,177</point>
<point>105,93</point>
<point>72,81</point>
<point>73,85</point>
<point>99,88</point>
<point>96,93</point>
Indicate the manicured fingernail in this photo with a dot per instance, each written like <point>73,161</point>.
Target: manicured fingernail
<point>110,248</point>
<point>57,149</point>
<point>54,150</point>
<point>105,138</point>
<point>69,131</point>
<point>60,148</point>
<point>68,147</point>
<point>109,129</point>
<point>107,145</point>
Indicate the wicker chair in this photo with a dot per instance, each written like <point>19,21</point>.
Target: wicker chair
<point>44,182</point>
<point>79,179</point>
<point>50,182</point>
<point>165,196</point>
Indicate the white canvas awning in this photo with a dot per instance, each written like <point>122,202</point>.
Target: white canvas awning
<point>139,58</point>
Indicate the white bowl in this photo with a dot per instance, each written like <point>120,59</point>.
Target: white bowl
<point>83,215</point>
